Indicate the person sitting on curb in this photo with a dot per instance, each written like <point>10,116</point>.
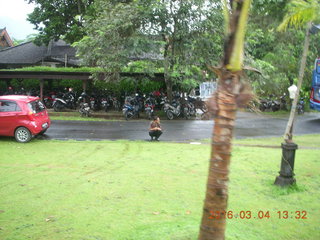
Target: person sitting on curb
<point>155,129</point>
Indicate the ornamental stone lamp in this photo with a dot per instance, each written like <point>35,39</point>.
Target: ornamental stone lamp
<point>289,148</point>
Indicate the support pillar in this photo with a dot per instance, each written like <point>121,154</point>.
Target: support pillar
<point>41,89</point>
<point>8,83</point>
<point>84,85</point>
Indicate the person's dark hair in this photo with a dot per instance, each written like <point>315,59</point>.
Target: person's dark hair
<point>155,118</point>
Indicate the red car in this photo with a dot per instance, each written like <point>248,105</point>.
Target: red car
<point>22,117</point>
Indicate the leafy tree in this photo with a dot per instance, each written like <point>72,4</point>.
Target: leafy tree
<point>267,12</point>
<point>173,31</point>
<point>112,34</point>
<point>29,38</point>
<point>179,23</point>
<point>17,41</point>
<point>55,19</point>
<point>265,46</point>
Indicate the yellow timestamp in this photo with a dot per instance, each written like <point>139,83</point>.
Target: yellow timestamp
<point>261,214</point>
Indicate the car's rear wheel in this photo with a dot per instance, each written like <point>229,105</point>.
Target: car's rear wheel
<point>22,135</point>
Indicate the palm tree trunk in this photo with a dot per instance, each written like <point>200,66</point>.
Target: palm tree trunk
<point>214,215</point>
<point>288,132</point>
<point>215,206</point>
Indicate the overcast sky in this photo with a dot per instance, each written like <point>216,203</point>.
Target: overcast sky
<point>13,16</point>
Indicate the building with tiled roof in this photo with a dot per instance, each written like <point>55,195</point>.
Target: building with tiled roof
<point>5,40</point>
<point>57,53</point>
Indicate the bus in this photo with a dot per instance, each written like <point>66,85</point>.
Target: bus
<point>315,87</point>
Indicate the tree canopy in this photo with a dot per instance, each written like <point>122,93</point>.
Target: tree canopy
<point>56,19</point>
<point>179,37</point>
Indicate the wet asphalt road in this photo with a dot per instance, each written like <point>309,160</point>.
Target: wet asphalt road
<point>248,125</point>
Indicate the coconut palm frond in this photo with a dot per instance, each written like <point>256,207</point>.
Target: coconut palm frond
<point>236,59</point>
<point>299,13</point>
<point>226,16</point>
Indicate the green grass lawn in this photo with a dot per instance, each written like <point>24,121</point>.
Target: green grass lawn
<point>121,190</point>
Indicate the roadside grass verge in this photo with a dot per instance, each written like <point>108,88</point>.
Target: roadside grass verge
<point>77,118</point>
<point>117,190</point>
<point>72,115</point>
<point>305,141</point>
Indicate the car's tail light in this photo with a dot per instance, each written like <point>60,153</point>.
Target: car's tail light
<point>31,116</point>
<point>313,95</point>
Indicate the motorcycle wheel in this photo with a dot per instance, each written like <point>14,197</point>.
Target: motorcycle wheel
<point>169,115</point>
<point>128,115</point>
<point>300,111</point>
<point>118,107</point>
<point>57,107</point>
<point>275,108</point>
<point>187,115</point>
<point>262,108</point>
<point>283,107</point>
<point>48,103</point>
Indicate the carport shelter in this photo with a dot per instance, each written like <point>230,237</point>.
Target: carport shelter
<point>81,76</point>
<point>56,54</point>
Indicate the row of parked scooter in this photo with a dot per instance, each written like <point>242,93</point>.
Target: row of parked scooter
<point>179,107</point>
<point>68,101</point>
<point>272,104</point>
<point>86,102</point>
<point>131,106</point>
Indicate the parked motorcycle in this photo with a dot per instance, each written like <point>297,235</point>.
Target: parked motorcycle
<point>191,108</point>
<point>116,104</point>
<point>84,109</point>
<point>198,104</point>
<point>83,98</point>
<point>283,102</point>
<point>176,109</point>
<point>67,101</point>
<point>275,105</point>
<point>149,107</point>
<point>49,99</point>
<point>300,106</point>
<point>94,102</point>
<point>130,109</point>
<point>105,104</point>
<point>269,104</point>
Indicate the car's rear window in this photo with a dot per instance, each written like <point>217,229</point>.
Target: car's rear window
<point>36,106</point>
<point>9,106</point>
